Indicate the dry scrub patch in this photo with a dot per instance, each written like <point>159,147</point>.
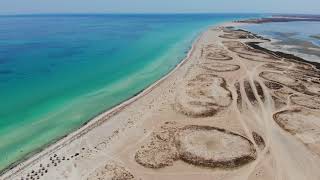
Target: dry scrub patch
<point>306,101</point>
<point>216,53</point>
<point>256,57</point>
<point>272,85</point>
<point>203,96</point>
<point>219,67</point>
<point>250,92</point>
<point>213,147</point>
<point>248,53</point>
<point>233,44</point>
<point>239,96</point>
<point>278,102</point>
<point>160,150</point>
<point>276,66</point>
<point>218,57</point>
<point>198,145</point>
<point>230,33</point>
<point>293,82</point>
<point>282,79</point>
<point>258,140</point>
<point>111,171</point>
<point>259,90</point>
<point>301,65</point>
<point>302,123</point>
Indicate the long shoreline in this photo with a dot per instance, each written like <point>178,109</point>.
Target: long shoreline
<point>107,115</point>
<point>90,124</point>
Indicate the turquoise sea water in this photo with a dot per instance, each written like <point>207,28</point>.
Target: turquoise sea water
<point>59,71</point>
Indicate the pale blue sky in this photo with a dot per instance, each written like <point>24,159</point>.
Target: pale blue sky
<point>157,6</point>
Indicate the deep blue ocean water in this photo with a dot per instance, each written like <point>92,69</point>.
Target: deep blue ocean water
<point>59,71</point>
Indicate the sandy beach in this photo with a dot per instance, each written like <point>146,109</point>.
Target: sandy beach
<point>231,110</point>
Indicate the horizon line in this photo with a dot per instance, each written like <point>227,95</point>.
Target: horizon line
<point>149,13</point>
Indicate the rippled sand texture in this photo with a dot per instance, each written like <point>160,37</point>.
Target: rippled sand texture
<point>231,111</point>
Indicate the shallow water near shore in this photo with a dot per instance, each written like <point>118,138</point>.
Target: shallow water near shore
<point>300,38</point>
<point>59,71</point>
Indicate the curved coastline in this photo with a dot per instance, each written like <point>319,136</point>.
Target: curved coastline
<point>33,157</point>
<point>105,116</point>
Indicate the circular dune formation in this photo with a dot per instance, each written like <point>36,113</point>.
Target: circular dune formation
<point>310,88</point>
<point>302,123</point>
<point>292,82</point>
<point>301,65</point>
<point>213,147</point>
<point>111,171</point>
<point>280,78</point>
<point>219,67</point>
<point>215,48</point>
<point>233,44</point>
<point>256,58</point>
<point>248,53</point>
<point>218,56</point>
<point>252,54</point>
<point>215,52</point>
<point>307,76</point>
<point>276,66</point>
<point>306,101</point>
<point>203,96</point>
<point>283,93</point>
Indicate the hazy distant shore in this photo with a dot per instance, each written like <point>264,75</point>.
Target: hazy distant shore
<point>282,18</point>
<point>285,37</point>
<point>226,109</point>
